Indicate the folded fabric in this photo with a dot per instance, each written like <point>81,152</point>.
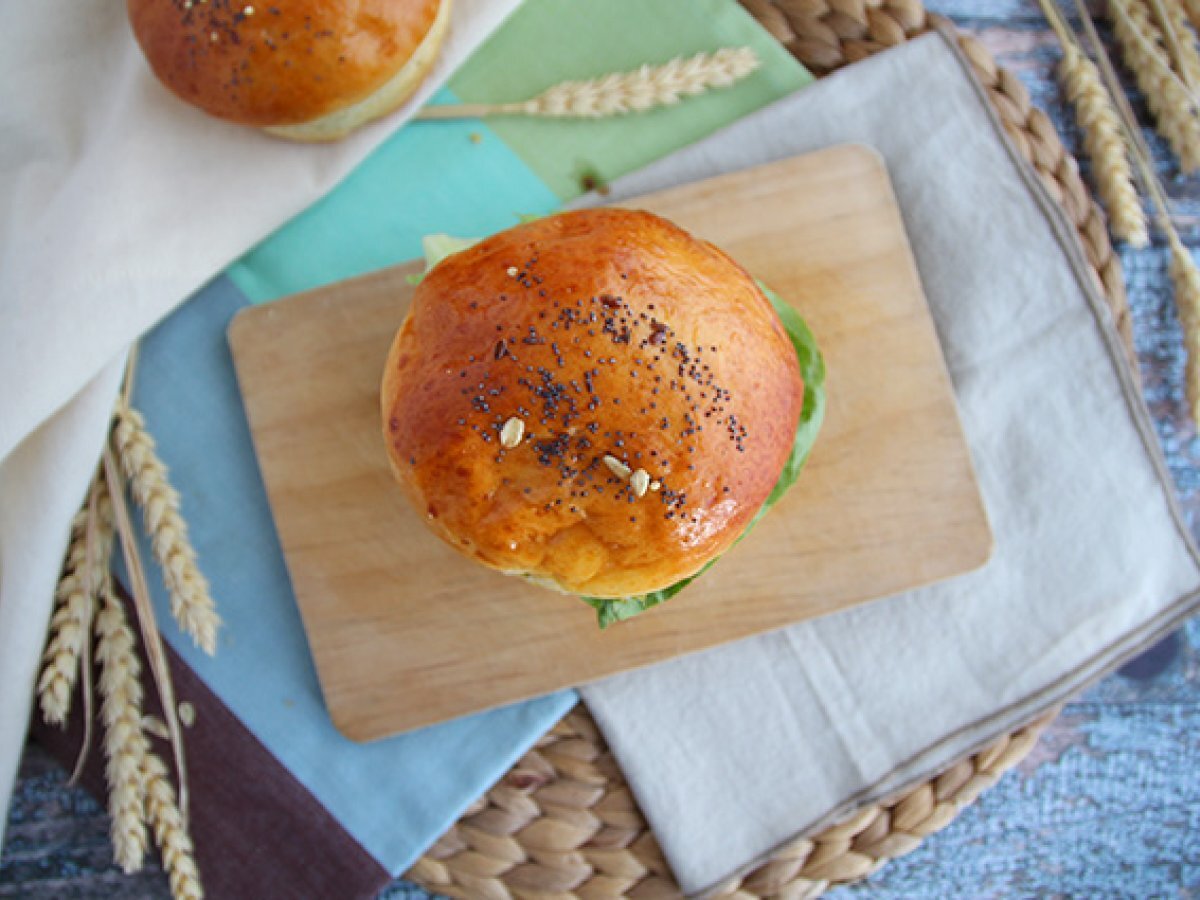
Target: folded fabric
<point>125,200</point>
<point>396,796</point>
<point>122,201</point>
<point>260,834</point>
<point>1092,561</point>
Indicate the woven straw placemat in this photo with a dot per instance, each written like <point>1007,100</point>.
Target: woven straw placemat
<point>562,822</point>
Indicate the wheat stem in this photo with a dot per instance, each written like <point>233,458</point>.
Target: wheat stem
<point>1135,142</point>
<point>1191,9</point>
<point>1100,122</point>
<point>1185,277</point>
<point>191,604</point>
<point>139,789</point>
<point>1134,17</point>
<point>98,566</point>
<point>1058,24</point>
<point>131,361</point>
<point>147,623</point>
<point>170,831</point>
<point>623,92</point>
<point>125,744</point>
<point>1180,41</point>
<point>1169,98</point>
<point>89,712</point>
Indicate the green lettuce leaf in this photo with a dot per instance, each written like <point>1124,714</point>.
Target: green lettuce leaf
<point>437,247</point>
<point>812,414</point>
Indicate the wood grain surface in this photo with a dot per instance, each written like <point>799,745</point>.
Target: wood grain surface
<point>1109,803</point>
<point>887,501</point>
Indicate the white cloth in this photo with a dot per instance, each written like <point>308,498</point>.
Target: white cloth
<point>735,751</point>
<point>119,202</point>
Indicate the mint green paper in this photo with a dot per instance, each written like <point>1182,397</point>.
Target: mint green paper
<point>468,177</point>
<point>548,41</point>
<point>453,177</point>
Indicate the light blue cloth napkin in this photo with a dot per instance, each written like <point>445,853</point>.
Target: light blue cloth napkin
<point>398,795</point>
<point>393,796</point>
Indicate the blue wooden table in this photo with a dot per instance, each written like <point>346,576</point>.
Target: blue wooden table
<point>1107,805</point>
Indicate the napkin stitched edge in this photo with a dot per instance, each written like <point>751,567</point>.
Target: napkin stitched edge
<point>1019,713</point>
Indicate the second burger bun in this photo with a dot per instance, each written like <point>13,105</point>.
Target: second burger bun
<point>620,344</point>
<point>307,70</point>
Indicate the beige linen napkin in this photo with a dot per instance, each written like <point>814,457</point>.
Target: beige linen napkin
<point>734,751</point>
<point>119,202</point>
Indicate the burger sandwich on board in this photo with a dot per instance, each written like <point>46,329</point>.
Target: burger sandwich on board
<point>598,402</point>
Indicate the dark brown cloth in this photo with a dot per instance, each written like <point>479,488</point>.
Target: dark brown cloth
<point>258,832</point>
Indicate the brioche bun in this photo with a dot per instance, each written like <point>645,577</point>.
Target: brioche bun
<point>308,70</point>
<point>620,344</point>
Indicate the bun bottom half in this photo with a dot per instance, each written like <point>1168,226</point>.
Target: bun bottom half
<point>381,102</point>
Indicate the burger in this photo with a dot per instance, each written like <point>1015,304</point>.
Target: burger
<point>308,70</point>
<point>598,402</point>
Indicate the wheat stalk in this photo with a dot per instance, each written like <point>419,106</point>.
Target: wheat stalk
<point>191,603</point>
<point>1102,141</point>
<point>125,744</point>
<point>1192,11</point>
<point>1100,123</point>
<point>1185,277</point>
<point>1180,41</point>
<point>86,564</point>
<point>99,529</point>
<point>156,797</point>
<point>146,620</point>
<point>1169,98</point>
<point>170,831</point>
<point>68,628</point>
<point>139,788</point>
<point>623,92</point>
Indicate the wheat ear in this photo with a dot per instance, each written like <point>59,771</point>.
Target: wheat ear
<point>156,654</point>
<point>1185,277</point>
<point>68,628</point>
<point>1102,141</point>
<point>168,819</point>
<point>170,832</point>
<point>1168,97</point>
<point>86,565</point>
<point>191,603</point>
<point>622,92</point>
<point>1192,11</point>
<point>1180,41</point>
<point>125,744</point>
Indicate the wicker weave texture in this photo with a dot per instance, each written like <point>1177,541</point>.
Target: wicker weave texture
<point>562,824</point>
<point>828,34</point>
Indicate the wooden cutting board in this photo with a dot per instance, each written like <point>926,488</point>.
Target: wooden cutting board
<point>406,632</point>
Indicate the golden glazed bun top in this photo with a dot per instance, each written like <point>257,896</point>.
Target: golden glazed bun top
<point>615,344</point>
<point>285,63</point>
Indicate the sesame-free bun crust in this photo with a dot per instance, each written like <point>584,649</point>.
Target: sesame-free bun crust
<point>308,70</point>
<point>606,333</point>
